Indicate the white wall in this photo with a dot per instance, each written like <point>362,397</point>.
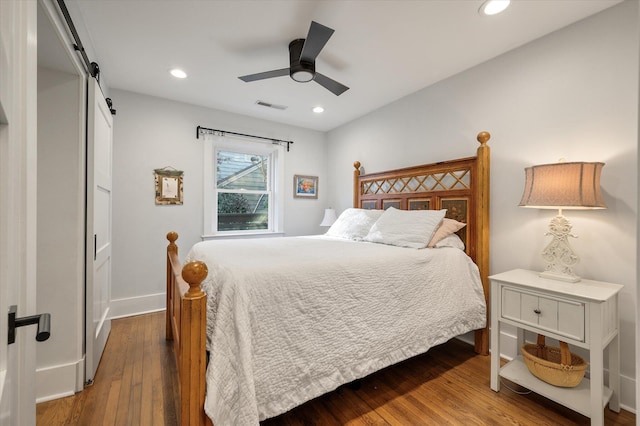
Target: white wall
<point>60,259</point>
<point>572,94</point>
<point>151,133</point>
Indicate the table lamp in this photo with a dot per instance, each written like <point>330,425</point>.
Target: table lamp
<point>562,186</point>
<point>329,217</point>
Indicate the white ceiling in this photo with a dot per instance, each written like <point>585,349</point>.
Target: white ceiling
<point>382,49</point>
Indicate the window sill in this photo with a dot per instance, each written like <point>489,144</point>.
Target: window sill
<point>240,235</point>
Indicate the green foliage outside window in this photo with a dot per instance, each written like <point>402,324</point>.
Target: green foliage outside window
<point>232,203</point>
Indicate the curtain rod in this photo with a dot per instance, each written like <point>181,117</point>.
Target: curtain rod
<point>202,130</point>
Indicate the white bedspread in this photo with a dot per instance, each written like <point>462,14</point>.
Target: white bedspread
<point>293,318</point>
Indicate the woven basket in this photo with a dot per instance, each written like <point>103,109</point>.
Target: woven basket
<point>556,366</point>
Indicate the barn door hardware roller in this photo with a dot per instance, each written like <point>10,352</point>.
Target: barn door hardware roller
<point>43,321</point>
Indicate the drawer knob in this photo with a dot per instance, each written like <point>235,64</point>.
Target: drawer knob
<point>537,311</point>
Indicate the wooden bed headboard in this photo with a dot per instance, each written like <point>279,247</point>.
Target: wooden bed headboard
<point>461,186</point>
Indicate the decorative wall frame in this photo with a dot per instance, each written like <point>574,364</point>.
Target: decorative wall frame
<point>305,186</point>
<point>168,186</point>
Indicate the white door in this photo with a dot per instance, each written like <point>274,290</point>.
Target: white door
<point>98,283</point>
<point>18,206</point>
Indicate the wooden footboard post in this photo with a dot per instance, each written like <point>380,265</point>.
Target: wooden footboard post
<point>483,224</point>
<point>186,325</point>
<point>172,248</point>
<point>193,359</point>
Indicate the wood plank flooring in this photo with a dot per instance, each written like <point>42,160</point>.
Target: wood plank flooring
<point>136,384</point>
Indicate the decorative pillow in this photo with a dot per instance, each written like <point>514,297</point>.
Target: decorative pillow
<point>446,228</point>
<point>406,228</point>
<point>451,241</point>
<point>354,224</point>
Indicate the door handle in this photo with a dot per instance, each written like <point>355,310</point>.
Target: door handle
<point>43,321</point>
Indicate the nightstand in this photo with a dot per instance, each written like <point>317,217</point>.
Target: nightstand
<point>583,314</point>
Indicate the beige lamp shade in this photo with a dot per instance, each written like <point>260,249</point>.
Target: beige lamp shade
<point>573,185</point>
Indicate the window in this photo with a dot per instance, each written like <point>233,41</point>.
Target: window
<point>242,188</point>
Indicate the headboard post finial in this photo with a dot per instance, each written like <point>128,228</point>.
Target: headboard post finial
<point>483,138</point>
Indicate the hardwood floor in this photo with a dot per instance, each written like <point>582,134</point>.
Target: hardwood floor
<point>136,384</point>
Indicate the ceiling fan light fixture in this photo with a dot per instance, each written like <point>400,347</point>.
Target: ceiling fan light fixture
<point>302,76</point>
<point>493,7</point>
<point>318,109</point>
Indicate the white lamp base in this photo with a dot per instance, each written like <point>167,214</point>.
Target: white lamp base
<point>559,254</point>
<point>561,277</point>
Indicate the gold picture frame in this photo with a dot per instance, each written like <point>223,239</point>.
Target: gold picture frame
<point>169,186</point>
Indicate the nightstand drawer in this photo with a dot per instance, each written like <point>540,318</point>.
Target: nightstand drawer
<point>561,316</point>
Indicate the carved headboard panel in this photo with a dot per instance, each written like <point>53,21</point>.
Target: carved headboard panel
<point>461,186</point>
<point>446,185</point>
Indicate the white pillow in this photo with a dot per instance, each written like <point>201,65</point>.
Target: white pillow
<point>354,224</point>
<point>451,241</point>
<point>406,228</point>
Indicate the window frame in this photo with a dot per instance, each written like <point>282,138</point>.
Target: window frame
<point>275,180</point>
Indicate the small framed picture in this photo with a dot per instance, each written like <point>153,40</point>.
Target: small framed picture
<point>168,186</point>
<point>305,186</point>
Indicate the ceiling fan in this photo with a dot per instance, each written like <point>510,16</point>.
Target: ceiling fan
<point>302,61</point>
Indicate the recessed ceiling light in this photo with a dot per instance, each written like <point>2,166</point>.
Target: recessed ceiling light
<point>493,7</point>
<point>178,73</point>
<point>318,109</point>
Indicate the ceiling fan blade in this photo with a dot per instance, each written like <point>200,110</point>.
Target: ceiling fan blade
<point>329,84</point>
<point>266,74</point>
<point>317,37</point>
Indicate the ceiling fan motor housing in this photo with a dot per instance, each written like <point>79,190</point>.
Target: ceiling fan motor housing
<point>302,61</point>
<point>300,71</point>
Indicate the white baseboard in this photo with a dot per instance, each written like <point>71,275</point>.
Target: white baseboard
<point>131,306</point>
<point>59,381</point>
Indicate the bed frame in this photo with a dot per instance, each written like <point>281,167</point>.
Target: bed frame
<point>461,186</point>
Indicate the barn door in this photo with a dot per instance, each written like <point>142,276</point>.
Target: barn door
<point>98,282</point>
<point>18,207</point>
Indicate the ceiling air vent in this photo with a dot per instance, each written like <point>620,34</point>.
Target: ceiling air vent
<point>268,105</point>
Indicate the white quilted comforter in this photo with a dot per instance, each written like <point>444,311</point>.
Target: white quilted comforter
<point>293,318</point>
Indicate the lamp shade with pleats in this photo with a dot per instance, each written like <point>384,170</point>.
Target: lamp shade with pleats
<point>571,185</point>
